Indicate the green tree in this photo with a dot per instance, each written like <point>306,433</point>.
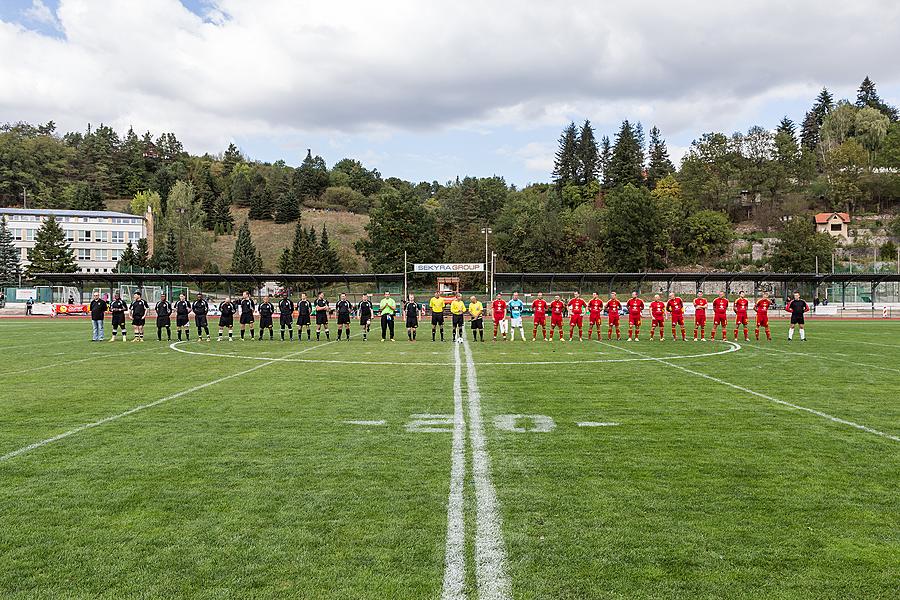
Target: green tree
<point>798,247</point>
<point>142,254</point>
<point>241,188</point>
<point>366,182</point>
<point>311,177</point>
<point>165,258</point>
<point>660,165</point>
<point>142,200</point>
<point>260,199</point>
<point>708,234</point>
<point>127,260</point>
<point>328,256</point>
<point>184,218</point>
<point>710,171</point>
<point>528,232</point>
<point>867,96</point>
<point>871,128</point>
<point>626,165</point>
<point>588,155</point>
<point>631,230</point>
<point>224,222</point>
<point>286,262</point>
<point>205,194</point>
<point>605,158</point>
<point>287,209</point>
<point>399,224</point>
<point>245,258</point>
<point>302,254</point>
<point>9,255</point>
<point>51,253</point>
<point>565,164</point>
<point>86,197</point>
<point>231,159</point>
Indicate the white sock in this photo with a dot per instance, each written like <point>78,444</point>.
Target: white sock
<point>791,333</point>
<point>802,334</point>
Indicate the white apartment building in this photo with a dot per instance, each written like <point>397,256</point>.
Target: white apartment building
<point>97,238</point>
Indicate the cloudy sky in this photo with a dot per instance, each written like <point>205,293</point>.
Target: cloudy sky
<point>429,90</point>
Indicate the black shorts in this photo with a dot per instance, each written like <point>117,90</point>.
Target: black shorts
<point>459,320</point>
<point>137,321</point>
<point>181,320</point>
<point>226,321</point>
<point>478,323</point>
<point>321,318</point>
<point>412,321</point>
<point>286,320</point>
<point>118,319</point>
<point>163,321</point>
<point>246,318</point>
<point>437,318</point>
<point>265,322</point>
<point>797,319</point>
<point>363,321</point>
<point>343,319</point>
<point>302,320</point>
<point>200,320</point>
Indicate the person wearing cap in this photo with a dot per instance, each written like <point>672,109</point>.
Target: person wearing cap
<point>387,309</point>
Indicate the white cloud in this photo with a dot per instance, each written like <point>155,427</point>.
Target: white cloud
<point>272,67</point>
<point>39,12</point>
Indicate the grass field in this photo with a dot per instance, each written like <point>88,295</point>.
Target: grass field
<point>388,471</point>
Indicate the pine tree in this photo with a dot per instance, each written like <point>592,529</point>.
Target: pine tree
<point>240,189</point>
<point>605,158</point>
<point>166,258</point>
<point>399,224</point>
<point>328,256</point>
<point>311,178</point>
<point>204,193</point>
<point>588,155</point>
<point>230,159</point>
<point>246,258</point>
<point>260,199</point>
<point>565,165</point>
<point>287,209</point>
<point>626,165</point>
<point>823,105</point>
<point>809,132</point>
<point>9,256</point>
<point>787,126</point>
<point>142,254</point>
<point>300,250</point>
<point>87,197</point>
<point>660,165</point>
<point>51,252</point>
<point>127,261</point>
<point>224,222</point>
<point>286,262</point>
<point>867,95</point>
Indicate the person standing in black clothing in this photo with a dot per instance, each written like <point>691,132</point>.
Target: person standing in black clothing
<point>226,318</point>
<point>286,315</point>
<point>343,309</point>
<point>322,307</point>
<point>364,310</point>
<point>163,318</point>
<point>200,308</point>
<point>138,310</point>
<point>412,317</point>
<point>182,316</point>
<point>29,305</point>
<point>98,313</point>
<point>118,307</point>
<point>247,308</point>
<point>304,314</point>
<point>266,310</point>
<point>798,309</point>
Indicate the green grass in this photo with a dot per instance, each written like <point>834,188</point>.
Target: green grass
<point>255,487</point>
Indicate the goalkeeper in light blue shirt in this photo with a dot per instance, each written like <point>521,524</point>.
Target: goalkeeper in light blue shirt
<point>516,306</point>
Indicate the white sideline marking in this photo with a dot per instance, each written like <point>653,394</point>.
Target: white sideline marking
<point>454,553</point>
<point>366,423</point>
<point>771,399</point>
<point>490,552</point>
<point>596,424</point>
<point>70,362</point>
<point>821,357</point>
<point>130,411</point>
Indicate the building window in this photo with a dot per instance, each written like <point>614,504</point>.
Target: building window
<point>101,236</point>
<point>837,227</point>
<point>117,237</point>
<point>70,235</point>
<point>102,254</point>
<point>84,254</point>
<point>17,235</point>
<point>116,254</point>
<point>29,235</point>
<point>84,236</point>
<point>134,236</point>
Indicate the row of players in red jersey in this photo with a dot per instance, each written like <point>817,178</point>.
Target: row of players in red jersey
<point>635,306</point>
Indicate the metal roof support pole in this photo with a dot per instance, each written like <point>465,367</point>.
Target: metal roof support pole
<point>874,286</point>
<point>843,294</point>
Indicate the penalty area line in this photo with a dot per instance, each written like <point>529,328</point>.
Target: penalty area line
<point>454,586</point>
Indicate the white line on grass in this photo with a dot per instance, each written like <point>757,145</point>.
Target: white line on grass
<point>66,363</point>
<point>43,343</point>
<point>490,552</point>
<point>130,411</point>
<point>366,423</point>
<point>596,424</point>
<point>769,398</point>
<point>454,554</point>
<point>823,357</point>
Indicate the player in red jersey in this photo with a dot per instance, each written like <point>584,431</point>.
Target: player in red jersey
<point>576,318</point>
<point>762,315</point>
<point>700,316</point>
<point>635,307</point>
<point>675,305</point>
<point>539,309</point>
<point>595,312</point>
<point>720,315</point>
<point>498,308</point>
<point>612,316</point>
<point>557,308</point>
<point>741,306</point>
<point>658,317</point>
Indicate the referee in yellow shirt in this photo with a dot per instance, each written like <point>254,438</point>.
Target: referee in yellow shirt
<point>458,310</point>
<point>437,315</point>
<point>476,309</point>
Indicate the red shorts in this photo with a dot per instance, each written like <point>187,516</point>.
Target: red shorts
<point>658,323</point>
<point>678,319</point>
<point>540,319</point>
<point>576,320</point>
<point>720,319</point>
<point>595,318</point>
<point>499,316</point>
<point>741,318</point>
<point>613,318</point>
<point>700,318</point>
<point>555,320</point>
<point>634,320</point>
<point>762,319</point>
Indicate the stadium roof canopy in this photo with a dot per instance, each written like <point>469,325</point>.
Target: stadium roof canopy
<point>724,277</point>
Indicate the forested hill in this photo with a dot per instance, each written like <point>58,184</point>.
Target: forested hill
<point>613,202</point>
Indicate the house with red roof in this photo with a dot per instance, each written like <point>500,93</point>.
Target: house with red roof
<point>836,224</point>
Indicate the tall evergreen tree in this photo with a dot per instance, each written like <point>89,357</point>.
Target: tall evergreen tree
<point>287,209</point>
<point>311,178</point>
<point>588,155</point>
<point>230,159</point>
<point>127,260</point>
<point>399,224</point>
<point>605,158</point>
<point>300,251</point>
<point>166,256</point>
<point>867,95</point>
<point>565,165</point>
<point>51,252</point>
<point>286,262</point>
<point>87,197</point>
<point>260,199</point>
<point>9,256</point>
<point>660,165</point>
<point>245,258</point>
<point>241,188</point>
<point>626,165</point>
<point>823,105</point>
<point>224,222</point>
<point>142,254</point>
<point>330,262</point>
<point>205,194</point>
<point>809,132</point>
<point>786,126</point>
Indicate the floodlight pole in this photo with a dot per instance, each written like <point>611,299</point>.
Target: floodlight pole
<point>486,231</point>
<point>405,295</point>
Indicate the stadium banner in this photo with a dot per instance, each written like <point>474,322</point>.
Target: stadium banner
<point>26,293</point>
<point>448,267</point>
<point>71,309</point>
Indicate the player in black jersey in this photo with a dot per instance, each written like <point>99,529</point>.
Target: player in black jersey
<point>247,308</point>
<point>118,307</point>
<point>343,309</point>
<point>163,318</point>
<point>304,313</point>
<point>138,310</point>
<point>226,318</point>
<point>286,315</point>
<point>266,310</point>
<point>201,310</point>
<point>182,316</point>
<point>364,310</point>
<point>413,309</point>
<point>798,309</point>
<point>321,306</point>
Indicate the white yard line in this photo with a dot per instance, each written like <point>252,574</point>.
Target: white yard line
<point>767,397</point>
<point>490,552</point>
<point>130,411</point>
<point>454,587</point>
<point>596,424</point>
<point>823,357</point>
<point>66,363</point>
<point>366,423</point>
